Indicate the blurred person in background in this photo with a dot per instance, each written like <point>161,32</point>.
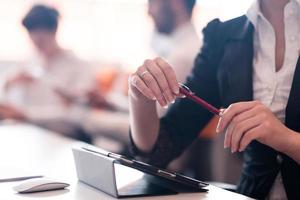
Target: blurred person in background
<point>53,92</point>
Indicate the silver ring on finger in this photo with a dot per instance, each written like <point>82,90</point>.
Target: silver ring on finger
<point>144,73</point>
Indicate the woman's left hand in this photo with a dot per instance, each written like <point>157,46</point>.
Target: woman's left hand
<point>9,112</point>
<point>248,121</point>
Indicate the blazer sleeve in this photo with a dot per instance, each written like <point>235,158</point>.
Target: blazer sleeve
<point>184,119</point>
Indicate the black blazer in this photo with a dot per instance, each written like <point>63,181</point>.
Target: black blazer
<point>222,75</point>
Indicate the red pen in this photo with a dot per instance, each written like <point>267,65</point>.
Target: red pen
<point>189,94</point>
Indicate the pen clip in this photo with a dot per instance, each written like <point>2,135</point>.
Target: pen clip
<point>185,90</point>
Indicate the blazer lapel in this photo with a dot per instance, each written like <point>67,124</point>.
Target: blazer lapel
<point>293,105</point>
<point>236,66</point>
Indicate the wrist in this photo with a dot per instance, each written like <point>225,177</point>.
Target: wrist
<point>289,141</point>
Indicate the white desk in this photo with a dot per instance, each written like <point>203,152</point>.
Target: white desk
<point>28,147</point>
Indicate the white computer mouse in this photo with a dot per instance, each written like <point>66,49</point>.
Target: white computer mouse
<point>39,185</point>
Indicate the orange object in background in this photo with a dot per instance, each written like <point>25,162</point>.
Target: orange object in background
<point>106,78</point>
<point>209,131</point>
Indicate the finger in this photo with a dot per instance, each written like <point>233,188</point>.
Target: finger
<point>249,136</point>
<point>240,129</point>
<point>151,83</point>
<point>169,74</point>
<point>142,87</point>
<point>161,80</point>
<point>233,110</point>
<point>227,139</point>
<point>228,135</point>
<point>235,121</point>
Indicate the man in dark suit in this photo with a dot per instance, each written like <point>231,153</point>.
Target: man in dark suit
<point>249,65</point>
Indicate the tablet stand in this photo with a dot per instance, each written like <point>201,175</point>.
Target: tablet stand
<point>99,172</point>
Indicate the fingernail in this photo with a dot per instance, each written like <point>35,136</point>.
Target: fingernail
<point>153,97</point>
<point>165,107</point>
<point>176,90</point>
<point>221,112</point>
<point>173,101</point>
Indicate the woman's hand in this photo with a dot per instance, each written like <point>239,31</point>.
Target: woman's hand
<point>21,78</point>
<point>155,80</point>
<point>247,121</point>
<point>9,112</point>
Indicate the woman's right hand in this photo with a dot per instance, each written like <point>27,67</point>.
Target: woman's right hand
<point>154,80</point>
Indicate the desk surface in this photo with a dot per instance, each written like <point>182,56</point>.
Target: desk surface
<point>28,148</point>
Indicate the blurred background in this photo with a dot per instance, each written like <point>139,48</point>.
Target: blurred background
<point>100,30</point>
<point>112,37</point>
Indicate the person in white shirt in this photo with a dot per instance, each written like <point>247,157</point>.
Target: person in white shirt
<point>45,94</point>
